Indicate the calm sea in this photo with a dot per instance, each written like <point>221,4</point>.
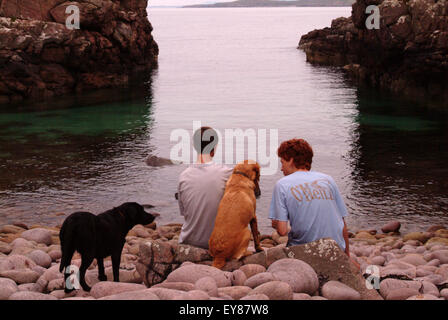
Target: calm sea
<point>230,69</point>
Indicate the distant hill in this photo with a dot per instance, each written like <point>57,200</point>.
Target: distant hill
<point>276,3</point>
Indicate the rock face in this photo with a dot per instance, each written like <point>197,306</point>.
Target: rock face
<point>40,57</point>
<point>407,54</point>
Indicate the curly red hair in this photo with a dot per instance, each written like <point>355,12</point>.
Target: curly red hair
<point>299,150</point>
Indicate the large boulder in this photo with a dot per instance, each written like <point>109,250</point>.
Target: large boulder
<point>298,274</point>
<point>43,58</point>
<point>331,263</point>
<point>405,55</point>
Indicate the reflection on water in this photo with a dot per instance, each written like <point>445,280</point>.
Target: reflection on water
<point>58,156</point>
<point>398,159</point>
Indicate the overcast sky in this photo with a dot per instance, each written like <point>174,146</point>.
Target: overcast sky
<point>182,2</point>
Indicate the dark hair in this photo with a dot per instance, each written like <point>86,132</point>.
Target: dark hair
<point>205,140</point>
<point>299,150</point>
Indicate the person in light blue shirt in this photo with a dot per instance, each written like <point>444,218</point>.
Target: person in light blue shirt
<point>309,200</point>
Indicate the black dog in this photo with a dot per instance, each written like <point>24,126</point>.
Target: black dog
<point>99,237</point>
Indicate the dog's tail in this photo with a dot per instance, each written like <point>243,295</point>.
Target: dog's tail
<point>67,246</point>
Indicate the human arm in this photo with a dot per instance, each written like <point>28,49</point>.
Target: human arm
<point>345,235</point>
<point>281,227</point>
<point>278,212</point>
<point>179,200</point>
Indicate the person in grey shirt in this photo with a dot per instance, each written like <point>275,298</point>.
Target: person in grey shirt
<point>201,187</point>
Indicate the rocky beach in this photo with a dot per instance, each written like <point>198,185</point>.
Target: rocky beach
<point>407,55</point>
<point>154,266</point>
<point>41,58</point>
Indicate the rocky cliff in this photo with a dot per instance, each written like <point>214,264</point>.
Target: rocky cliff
<point>40,57</point>
<point>407,55</point>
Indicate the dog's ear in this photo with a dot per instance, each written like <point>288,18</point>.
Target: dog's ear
<point>256,169</point>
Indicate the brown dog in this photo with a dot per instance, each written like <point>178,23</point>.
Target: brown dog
<point>230,237</point>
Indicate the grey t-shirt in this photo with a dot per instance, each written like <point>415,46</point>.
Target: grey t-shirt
<point>201,187</point>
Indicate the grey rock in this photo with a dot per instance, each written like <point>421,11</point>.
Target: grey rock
<point>331,263</point>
